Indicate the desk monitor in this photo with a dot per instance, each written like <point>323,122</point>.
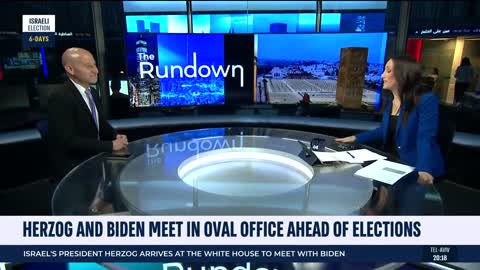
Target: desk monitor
<point>123,87</point>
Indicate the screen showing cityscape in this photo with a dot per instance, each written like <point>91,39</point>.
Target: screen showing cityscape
<point>362,22</point>
<point>23,60</point>
<point>189,69</point>
<point>353,22</point>
<point>254,23</point>
<point>157,23</point>
<point>312,67</point>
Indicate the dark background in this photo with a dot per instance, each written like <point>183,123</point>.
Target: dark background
<point>239,50</point>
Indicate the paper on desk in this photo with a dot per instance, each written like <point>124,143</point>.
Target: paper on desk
<point>354,156</point>
<point>385,171</point>
<point>365,155</point>
<point>326,156</point>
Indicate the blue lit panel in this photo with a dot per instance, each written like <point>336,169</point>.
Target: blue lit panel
<point>354,5</point>
<point>362,22</point>
<point>157,23</point>
<point>330,22</point>
<point>353,22</point>
<point>253,5</point>
<point>254,23</point>
<point>154,6</point>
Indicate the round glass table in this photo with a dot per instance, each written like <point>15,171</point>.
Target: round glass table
<point>232,171</point>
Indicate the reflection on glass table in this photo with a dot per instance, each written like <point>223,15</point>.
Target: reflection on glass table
<point>233,171</point>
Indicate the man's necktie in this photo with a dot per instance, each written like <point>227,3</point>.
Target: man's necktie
<point>93,109</point>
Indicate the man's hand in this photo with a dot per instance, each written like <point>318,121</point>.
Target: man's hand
<point>120,143</point>
<point>123,138</point>
<point>425,178</point>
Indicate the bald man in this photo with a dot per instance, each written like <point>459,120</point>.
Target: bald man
<point>77,129</point>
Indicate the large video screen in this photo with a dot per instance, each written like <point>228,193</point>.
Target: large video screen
<point>157,23</point>
<point>353,22</point>
<point>362,22</point>
<point>289,65</point>
<point>23,60</point>
<point>189,69</point>
<point>255,23</point>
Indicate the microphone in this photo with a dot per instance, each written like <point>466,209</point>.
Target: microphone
<point>317,144</point>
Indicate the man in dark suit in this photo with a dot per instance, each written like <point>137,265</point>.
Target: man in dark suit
<point>119,103</point>
<point>77,128</point>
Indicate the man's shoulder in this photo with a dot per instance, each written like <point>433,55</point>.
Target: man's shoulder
<point>64,92</point>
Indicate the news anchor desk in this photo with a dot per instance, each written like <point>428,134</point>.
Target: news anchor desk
<point>224,171</point>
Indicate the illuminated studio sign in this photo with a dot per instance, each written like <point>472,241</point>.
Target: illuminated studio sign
<point>38,30</point>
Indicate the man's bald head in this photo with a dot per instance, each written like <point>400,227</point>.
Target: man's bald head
<point>73,54</point>
<point>80,66</point>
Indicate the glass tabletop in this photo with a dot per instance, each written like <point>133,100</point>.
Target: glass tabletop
<point>232,171</point>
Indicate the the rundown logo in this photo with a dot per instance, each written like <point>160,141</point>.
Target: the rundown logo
<point>188,71</point>
<point>155,152</point>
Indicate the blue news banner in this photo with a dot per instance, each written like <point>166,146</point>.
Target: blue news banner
<point>257,253</point>
<point>237,239</point>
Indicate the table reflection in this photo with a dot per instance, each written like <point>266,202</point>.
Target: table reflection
<point>223,183</point>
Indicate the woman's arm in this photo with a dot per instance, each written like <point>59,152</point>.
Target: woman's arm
<point>427,137</point>
<point>370,135</point>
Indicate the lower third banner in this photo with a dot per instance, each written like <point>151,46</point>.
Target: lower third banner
<point>228,253</point>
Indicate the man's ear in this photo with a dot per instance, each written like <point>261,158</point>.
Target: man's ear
<point>69,69</point>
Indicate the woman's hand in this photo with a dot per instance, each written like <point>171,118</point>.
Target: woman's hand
<point>349,139</point>
<point>425,178</point>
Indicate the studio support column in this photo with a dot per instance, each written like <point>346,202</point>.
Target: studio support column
<point>402,31</point>
<point>189,16</point>
<point>101,54</point>
<point>318,22</point>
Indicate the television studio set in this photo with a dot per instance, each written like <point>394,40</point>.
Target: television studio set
<point>253,109</point>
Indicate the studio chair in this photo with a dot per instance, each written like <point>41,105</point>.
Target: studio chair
<point>446,131</point>
<point>42,128</point>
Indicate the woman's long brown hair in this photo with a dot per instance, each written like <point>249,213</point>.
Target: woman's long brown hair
<point>411,85</point>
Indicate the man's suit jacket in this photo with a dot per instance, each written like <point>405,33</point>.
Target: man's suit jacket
<point>416,142</point>
<point>72,133</point>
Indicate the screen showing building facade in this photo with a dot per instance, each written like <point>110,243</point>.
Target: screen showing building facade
<point>289,65</point>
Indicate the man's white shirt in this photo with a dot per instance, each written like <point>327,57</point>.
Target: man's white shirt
<point>82,90</point>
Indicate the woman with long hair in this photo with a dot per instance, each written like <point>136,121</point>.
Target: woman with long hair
<point>410,120</point>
